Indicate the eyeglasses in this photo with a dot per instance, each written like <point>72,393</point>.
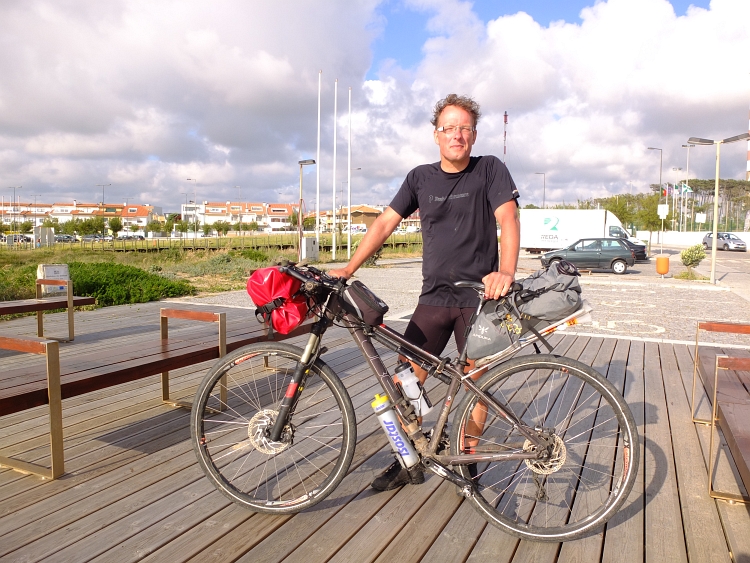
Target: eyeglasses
<point>451,129</point>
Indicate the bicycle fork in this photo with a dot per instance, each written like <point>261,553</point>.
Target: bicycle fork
<point>309,355</point>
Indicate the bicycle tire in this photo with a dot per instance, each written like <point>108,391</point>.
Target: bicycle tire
<point>593,465</point>
<point>312,457</point>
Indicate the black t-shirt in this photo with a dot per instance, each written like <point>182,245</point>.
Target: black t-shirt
<point>459,231</point>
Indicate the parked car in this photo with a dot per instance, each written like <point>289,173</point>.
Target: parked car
<point>639,250</point>
<point>10,239</point>
<point>725,241</point>
<point>91,238</point>
<point>605,253</point>
<point>65,238</point>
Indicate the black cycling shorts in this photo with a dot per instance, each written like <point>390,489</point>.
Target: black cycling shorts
<point>430,327</point>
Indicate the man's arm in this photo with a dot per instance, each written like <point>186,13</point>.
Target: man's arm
<point>374,238</point>
<point>498,283</point>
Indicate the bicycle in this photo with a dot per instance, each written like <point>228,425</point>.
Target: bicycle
<point>274,430</point>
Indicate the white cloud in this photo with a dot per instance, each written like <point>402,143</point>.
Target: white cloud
<point>145,95</point>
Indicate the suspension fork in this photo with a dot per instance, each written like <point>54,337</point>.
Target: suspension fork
<point>309,355</point>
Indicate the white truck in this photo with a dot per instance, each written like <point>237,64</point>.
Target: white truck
<point>550,229</point>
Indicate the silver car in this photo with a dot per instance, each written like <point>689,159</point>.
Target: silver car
<point>725,241</point>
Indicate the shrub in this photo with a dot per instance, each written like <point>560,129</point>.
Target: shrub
<point>692,256</point>
<point>118,284</point>
<point>254,255</point>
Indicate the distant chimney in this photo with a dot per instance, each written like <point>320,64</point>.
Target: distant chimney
<point>75,203</point>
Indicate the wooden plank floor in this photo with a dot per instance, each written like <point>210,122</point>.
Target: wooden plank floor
<point>133,490</point>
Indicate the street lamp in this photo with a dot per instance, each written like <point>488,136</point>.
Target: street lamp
<point>699,141</point>
<point>349,203</point>
<point>102,186</point>
<point>195,209</point>
<point>687,173</point>
<point>660,167</point>
<point>299,211</point>
<point>13,206</point>
<point>544,188</point>
<point>674,195</point>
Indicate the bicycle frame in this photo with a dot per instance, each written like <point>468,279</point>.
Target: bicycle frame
<point>441,368</point>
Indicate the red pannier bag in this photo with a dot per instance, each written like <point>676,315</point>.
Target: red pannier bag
<point>275,295</point>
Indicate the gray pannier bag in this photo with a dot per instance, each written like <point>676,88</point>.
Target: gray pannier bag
<point>548,295</point>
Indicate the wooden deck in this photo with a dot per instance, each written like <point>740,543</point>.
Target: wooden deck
<point>133,490</point>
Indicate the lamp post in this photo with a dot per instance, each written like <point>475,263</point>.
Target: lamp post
<point>687,172</point>
<point>699,141</point>
<point>13,219</point>
<point>544,187</point>
<point>102,186</point>
<point>661,235</point>
<point>349,203</point>
<point>674,195</point>
<point>299,211</point>
<point>35,210</point>
<point>195,203</point>
<point>239,213</point>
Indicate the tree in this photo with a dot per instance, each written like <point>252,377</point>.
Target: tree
<point>154,227</point>
<point>222,227</point>
<point>26,227</point>
<point>253,226</point>
<point>52,223</point>
<point>169,225</point>
<point>293,219</point>
<point>115,225</point>
<point>182,226</point>
<point>530,206</point>
<point>648,215</point>
<point>308,223</point>
<point>692,256</point>
<point>206,229</point>
<point>134,228</point>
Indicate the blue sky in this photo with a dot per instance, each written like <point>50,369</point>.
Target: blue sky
<point>142,95</point>
<point>406,28</point>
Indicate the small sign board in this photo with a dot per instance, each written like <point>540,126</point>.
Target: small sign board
<point>700,218</point>
<point>663,210</point>
<point>52,272</point>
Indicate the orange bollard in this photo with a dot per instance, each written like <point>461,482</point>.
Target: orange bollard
<point>662,264</point>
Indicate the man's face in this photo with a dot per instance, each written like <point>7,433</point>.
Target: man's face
<point>455,147</point>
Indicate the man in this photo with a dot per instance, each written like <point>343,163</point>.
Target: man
<point>460,200</point>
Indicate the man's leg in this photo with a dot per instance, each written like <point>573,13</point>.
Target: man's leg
<point>429,328</point>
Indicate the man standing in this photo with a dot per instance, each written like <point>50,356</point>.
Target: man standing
<point>460,200</point>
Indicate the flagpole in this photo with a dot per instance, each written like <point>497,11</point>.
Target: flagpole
<point>317,168</point>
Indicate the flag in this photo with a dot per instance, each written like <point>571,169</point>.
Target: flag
<point>664,191</point>
<point>686,189</point>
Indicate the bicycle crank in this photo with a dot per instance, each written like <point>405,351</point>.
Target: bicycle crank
<point>259,428</point>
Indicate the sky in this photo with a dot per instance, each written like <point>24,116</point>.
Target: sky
<point>133,97</point>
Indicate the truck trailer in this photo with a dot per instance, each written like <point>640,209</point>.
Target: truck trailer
<point>551,229</point>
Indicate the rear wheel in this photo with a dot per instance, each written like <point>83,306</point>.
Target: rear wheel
<point>619,267</point>
<point>705,246</point>
<point>233,411</point>
<point>585,472</point>
<point>726,247</point>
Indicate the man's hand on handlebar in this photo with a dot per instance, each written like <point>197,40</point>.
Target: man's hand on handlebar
<point>339,273</point>
<point>497,284</point>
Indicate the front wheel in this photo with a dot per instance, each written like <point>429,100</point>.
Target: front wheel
<point>619,267</point>
<point>726,247</point>
<point>584,473</point>
<point>233,411</point>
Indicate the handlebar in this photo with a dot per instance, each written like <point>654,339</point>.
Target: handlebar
<point>479,286</point>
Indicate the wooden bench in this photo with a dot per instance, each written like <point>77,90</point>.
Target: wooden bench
<point>26,387</point>
<point>728,384</point>
<point>39,305</point>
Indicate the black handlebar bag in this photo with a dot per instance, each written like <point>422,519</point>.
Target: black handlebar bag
<point>361,302</point>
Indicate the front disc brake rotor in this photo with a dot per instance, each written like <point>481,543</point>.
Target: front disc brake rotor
<point>256,432</point>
